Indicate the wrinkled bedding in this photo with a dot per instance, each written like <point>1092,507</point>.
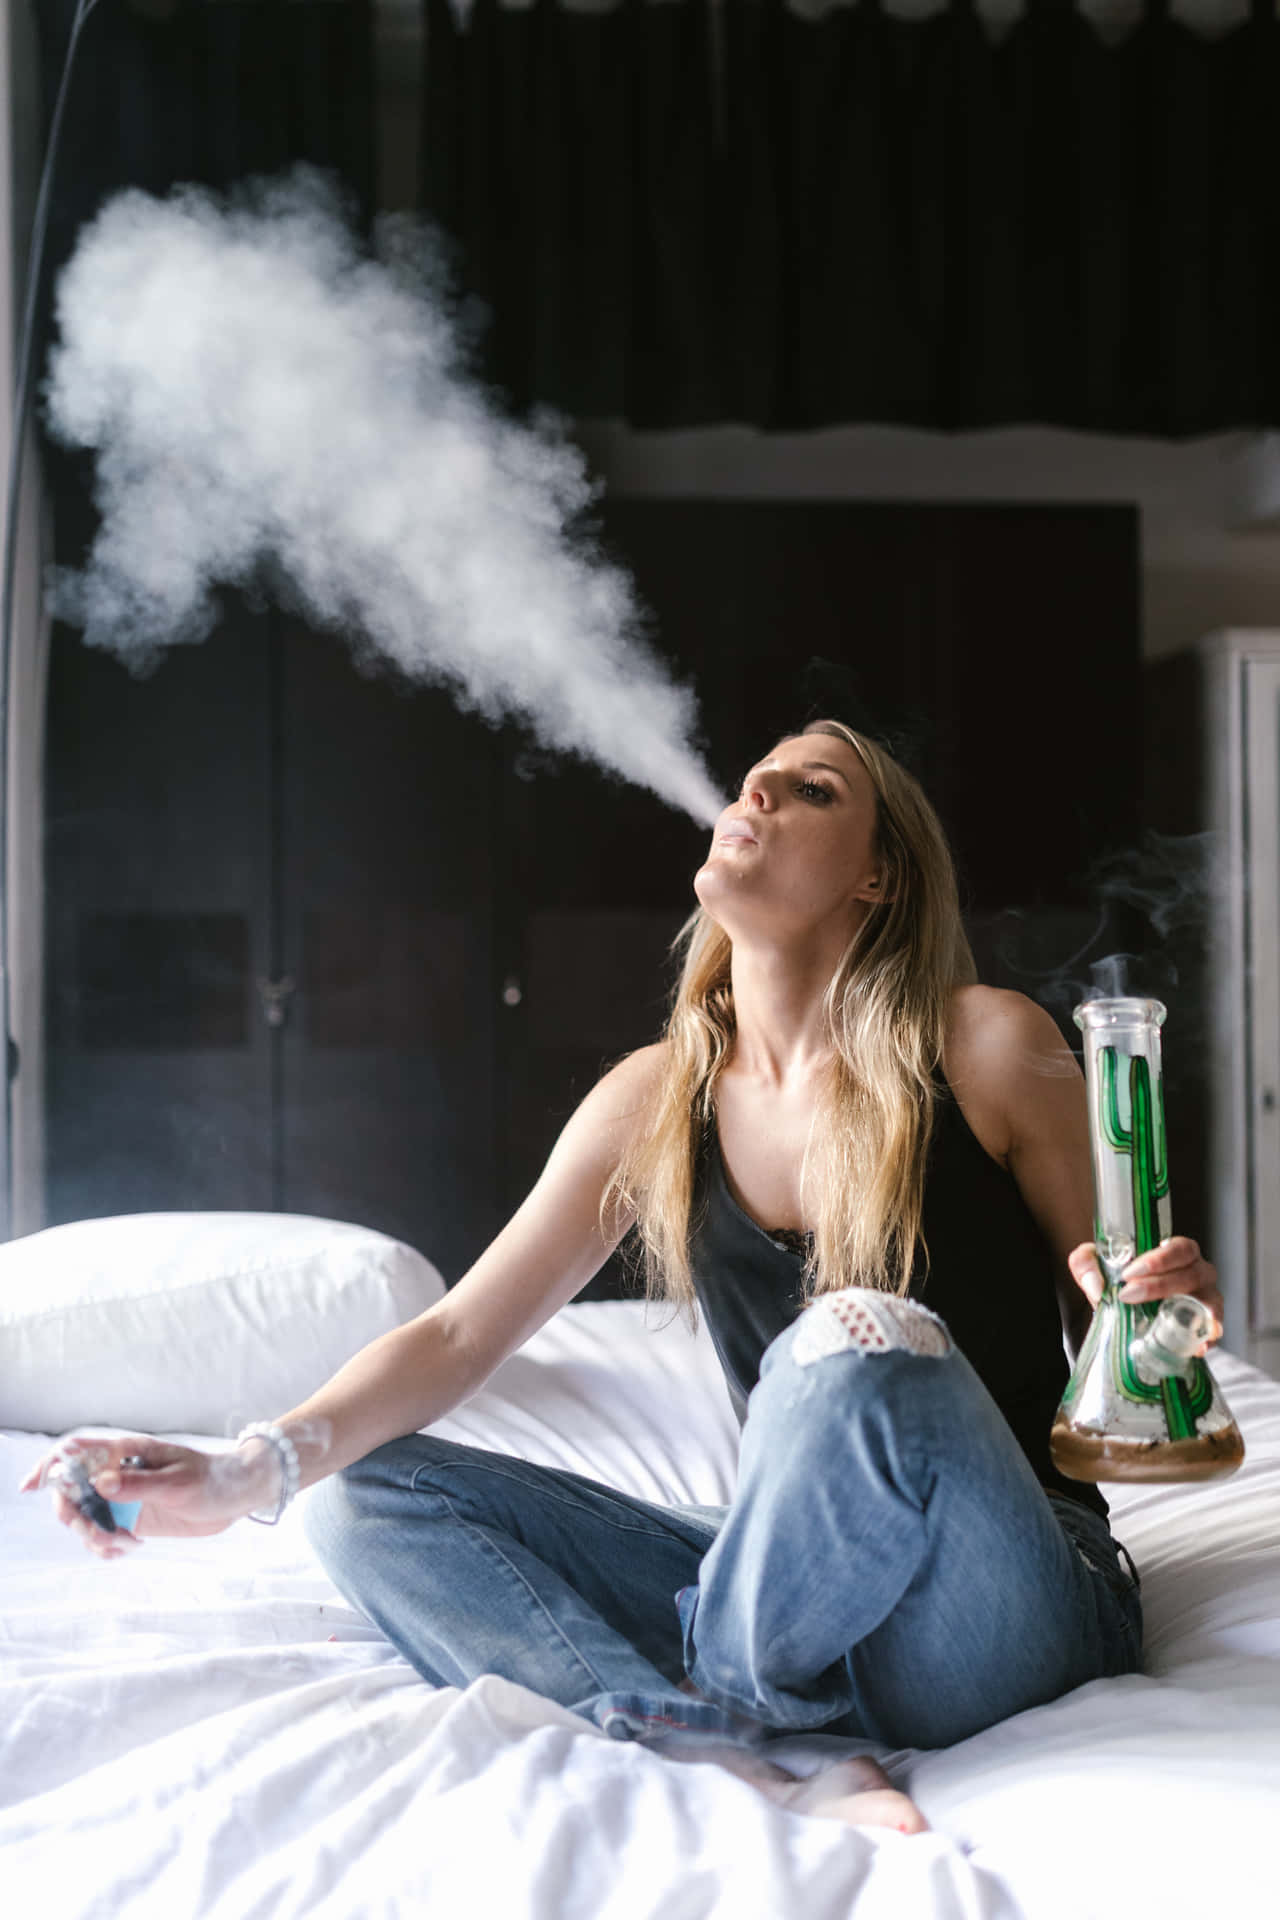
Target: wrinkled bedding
<point>206,1731</point>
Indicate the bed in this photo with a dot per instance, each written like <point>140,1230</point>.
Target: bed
<point>207,1731</point>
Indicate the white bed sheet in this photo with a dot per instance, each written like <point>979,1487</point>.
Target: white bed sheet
<point>206,1731</point>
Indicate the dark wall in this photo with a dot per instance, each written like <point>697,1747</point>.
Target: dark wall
<point>318,942</point>
<point>682,214</point>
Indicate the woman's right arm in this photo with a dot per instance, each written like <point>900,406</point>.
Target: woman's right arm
<point>549,1250</point>
<point>411,1377</point>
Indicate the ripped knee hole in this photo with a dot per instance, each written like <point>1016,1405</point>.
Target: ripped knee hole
<point>860,1318</point>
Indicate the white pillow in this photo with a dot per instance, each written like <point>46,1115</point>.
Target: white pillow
<point>169,1322</point>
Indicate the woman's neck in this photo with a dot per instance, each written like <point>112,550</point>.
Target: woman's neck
<point>780,1043</point>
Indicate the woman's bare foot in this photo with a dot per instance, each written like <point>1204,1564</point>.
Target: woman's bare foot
<point>856,1791</point>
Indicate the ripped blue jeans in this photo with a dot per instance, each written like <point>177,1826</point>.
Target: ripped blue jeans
<point>889,1568</point>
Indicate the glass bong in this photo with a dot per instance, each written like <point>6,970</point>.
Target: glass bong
<point>1139,1405</point>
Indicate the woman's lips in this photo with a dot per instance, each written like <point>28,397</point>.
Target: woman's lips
<point>731,835</point>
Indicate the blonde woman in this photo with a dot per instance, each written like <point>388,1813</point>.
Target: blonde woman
<point>871,1175</point>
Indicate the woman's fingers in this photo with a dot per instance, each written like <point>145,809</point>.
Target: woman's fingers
<point>82,1465</point>
<point>105,1452</point>
<point>1175,1266</point>
<point>1172,1256</point>
<point>1082,1262</point>
<point>33,1481</point>
<point>107,1546</point>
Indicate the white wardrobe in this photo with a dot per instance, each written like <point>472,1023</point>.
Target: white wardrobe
<point>1240,691</point>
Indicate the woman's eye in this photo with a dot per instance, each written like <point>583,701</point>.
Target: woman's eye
<point>813,790</point>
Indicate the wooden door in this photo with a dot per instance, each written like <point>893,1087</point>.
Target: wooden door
<point>389,878</point>
<point>158,892</point>
<point>271,940</point>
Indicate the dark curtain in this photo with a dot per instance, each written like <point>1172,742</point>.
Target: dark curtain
<point>796,223</point>
<point>205,93</point>
<point>209,94</point>
<point>571,157</point>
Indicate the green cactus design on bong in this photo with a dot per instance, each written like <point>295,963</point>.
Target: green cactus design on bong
<point>1143,1140</point>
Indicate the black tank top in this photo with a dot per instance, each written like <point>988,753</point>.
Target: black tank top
<point>990,1278</point>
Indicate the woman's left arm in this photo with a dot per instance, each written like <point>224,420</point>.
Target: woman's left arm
<point>1028,1087</point>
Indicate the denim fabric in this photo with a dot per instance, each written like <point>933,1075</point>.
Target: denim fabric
<point>889,1568</point>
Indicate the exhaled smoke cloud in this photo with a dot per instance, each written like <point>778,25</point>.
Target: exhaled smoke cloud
<point>262,394</point>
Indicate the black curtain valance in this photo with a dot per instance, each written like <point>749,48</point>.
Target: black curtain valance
<point>210,94</point>
<point>679,215</point>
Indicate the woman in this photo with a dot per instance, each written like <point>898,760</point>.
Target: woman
<point>837,1114</point>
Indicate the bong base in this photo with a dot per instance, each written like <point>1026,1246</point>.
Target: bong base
<point>1081,1455</point>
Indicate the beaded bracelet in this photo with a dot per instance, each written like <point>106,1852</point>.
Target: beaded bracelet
<point>290,1471</point>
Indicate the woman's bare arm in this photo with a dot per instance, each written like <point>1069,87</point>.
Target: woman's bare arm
<point>1029,1077</point>
<point>549,1250</point>
<point>1027,1093</point>
<point>409,1378</point>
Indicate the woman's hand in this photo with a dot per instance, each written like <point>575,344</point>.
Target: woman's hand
<point>1175,1266</point>
<point>183,1491</point>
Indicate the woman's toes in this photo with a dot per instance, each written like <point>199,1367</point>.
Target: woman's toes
<point>895,1810</point>
<point>851,1792</point>
<point>882,1807</point>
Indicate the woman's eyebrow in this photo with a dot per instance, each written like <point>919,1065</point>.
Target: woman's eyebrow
<point>806,766</point>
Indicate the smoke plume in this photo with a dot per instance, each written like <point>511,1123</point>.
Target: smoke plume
<point>1151,905</point>
<point>267,399</point>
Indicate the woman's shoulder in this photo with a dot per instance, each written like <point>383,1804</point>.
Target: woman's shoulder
<point>627,1096</point>
<point>994,1019</point>
<point>638,1074</point>
<point>609,1117</point>
<point>999,1046</point>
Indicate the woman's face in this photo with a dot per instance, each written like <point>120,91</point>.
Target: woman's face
<point>796,850</point>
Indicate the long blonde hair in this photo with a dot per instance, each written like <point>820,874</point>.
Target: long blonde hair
<point>884,1011</point>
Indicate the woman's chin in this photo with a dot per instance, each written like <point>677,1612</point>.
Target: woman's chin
<point>720,900</point>
<point>709,886</point>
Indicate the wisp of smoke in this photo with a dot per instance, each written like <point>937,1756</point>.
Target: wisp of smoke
<point>1164,885</point>
<point>263,394</point>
